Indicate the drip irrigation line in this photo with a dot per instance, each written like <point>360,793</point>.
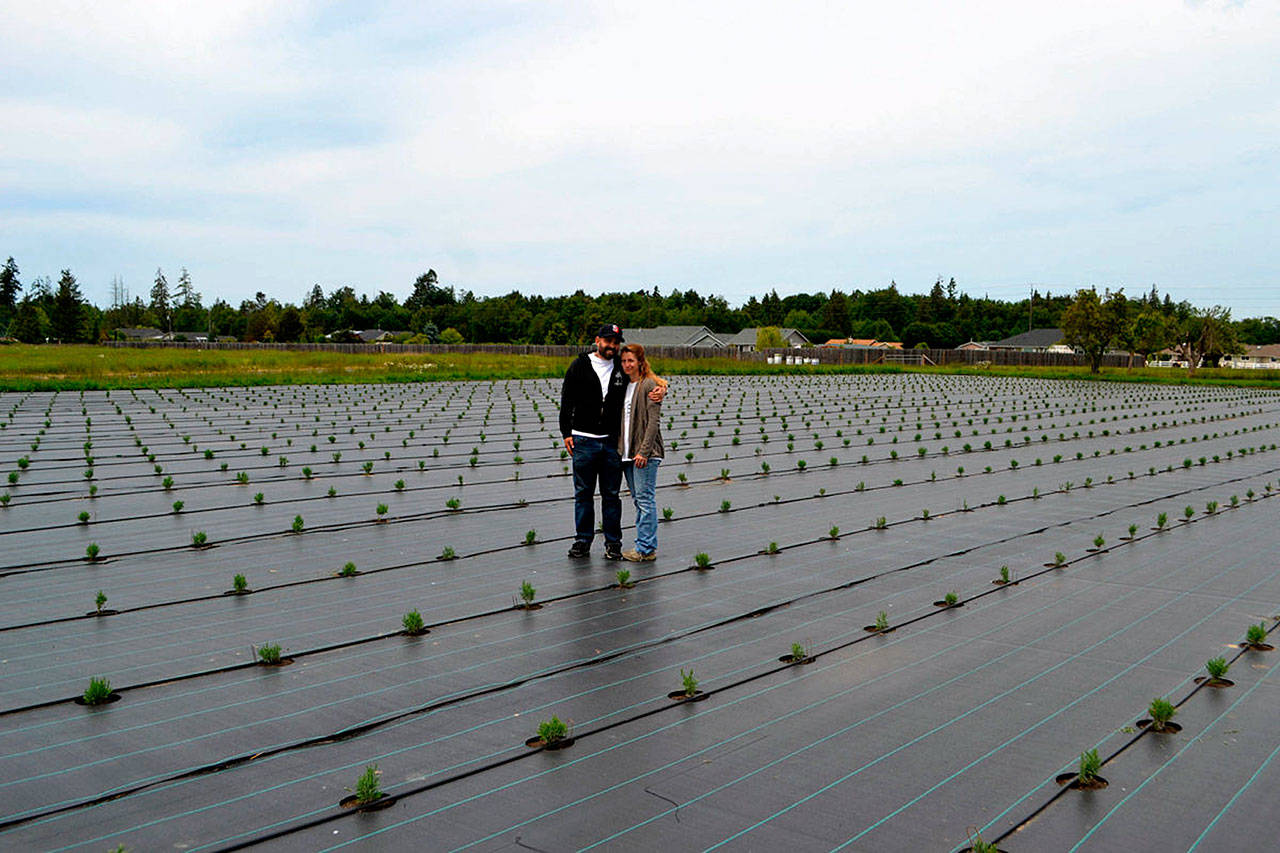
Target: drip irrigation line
<point>586,592</point>
<point>721,787</point>
<point>878,461</point>
<point>368,726</point>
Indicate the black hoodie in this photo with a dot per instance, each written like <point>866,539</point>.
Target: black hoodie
<point>583,408</point>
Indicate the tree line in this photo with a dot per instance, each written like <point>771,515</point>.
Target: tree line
<point>943,317</point>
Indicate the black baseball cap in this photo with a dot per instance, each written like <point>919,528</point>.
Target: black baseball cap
<point>610,330</point>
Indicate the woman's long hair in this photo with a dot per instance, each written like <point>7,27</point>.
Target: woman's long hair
<point>645,371</point>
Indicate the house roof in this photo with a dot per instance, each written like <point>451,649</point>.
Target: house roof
<point>1260,351</point>
<point>1034,338</point>
<point>747,337</point>
<point>674,336</point>
<point>143,332</point>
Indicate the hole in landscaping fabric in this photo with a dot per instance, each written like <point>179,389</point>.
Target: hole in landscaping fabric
<point>114,697</point>
<point>793,659</point>
<point>872,629</point>
<point>1072,781</point>
<point>102,613</point>
<point>383,801</point>
<point>944,604</point>
<point>539,743</point>
<point>1169,728</point>
<point>527,607</point>
<point>1218,683</point>
<point>420,633</point>
<point>681,696</point>
<point>1254,647</point>
<point>277,664</point>
<point>245,591</point>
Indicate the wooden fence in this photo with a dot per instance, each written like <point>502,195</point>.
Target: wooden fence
<point>824,355</point>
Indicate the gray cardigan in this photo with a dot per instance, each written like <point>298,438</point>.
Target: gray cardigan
<point>646,423</point>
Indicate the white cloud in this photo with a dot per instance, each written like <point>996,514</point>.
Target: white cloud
<point>509,143</point>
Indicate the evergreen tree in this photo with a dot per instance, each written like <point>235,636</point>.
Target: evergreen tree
<point>67,315</point>
<point>9,287</point>
<point>187,295</point>
<point>30,325</point>
<point>160,301</point>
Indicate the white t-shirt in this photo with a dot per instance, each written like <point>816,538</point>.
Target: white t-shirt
<point>626,420</point>
<point>604,370</point>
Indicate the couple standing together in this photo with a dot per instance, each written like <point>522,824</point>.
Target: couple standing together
<point>610,419</point>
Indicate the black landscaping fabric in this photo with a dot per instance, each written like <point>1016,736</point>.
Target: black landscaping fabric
<point>955,721</point>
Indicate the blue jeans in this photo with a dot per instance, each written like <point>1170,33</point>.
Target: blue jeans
<point>596,459</point>
<point>642,482</point>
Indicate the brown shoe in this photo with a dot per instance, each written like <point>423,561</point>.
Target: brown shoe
<point>633,556</point>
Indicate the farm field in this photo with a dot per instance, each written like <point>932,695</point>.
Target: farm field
<point>910,602</point>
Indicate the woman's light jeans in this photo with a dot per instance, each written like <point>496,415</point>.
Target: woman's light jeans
<point>642,482</point>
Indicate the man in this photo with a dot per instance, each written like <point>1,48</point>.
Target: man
<point>590,419</point>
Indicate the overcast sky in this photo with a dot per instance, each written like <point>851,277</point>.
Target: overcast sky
<point>729,147</point>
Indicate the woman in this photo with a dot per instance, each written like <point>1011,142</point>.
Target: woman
<point>640,446</point>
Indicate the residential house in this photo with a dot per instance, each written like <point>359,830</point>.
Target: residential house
<point>144,333</point>
<point>1036,340</point>
<point>1255,357</point>
<point>745,341</point>
<point>675,336</point>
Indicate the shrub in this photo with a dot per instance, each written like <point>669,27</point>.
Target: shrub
<point>882,621</point>
<point>453,504</point>
<point>1161,520</point>
<point>83,517</point>
<point>1059,558</point>
<point>368,788</point>
<point>880,523</point>
<point>349,570</point>
<point>381,510</point>
<point>797,652</point>
<point>99,600</point>
<point>448,553</point>
<point>667,512</point>
<point>92,551</point>
<point>834,532</point>
<point>624,578</point>
<point>950,598</point>
<point>1133,529</point>
<point>1217,667</point>
<point>724,506</point>
<point>1090,764</point>
<point>552,730</point>
<point>527,593</point>
<point>702,560</point>
<point>530,537</point>
<point>258,498</point>
<point>977,845</point>
<point>1188,512</point>
<point>771,548</point>
<point>1004,573</point>
<point>412,622</point>
<point>98,691</point>
<point>1161,712</point>
<point>239,583</point>
<point>1098,541</point>
<point>689,682</point>
<point>1256,634</point>
<point>269,653</point>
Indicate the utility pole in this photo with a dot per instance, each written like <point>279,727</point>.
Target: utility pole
<point>1031,307</point>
